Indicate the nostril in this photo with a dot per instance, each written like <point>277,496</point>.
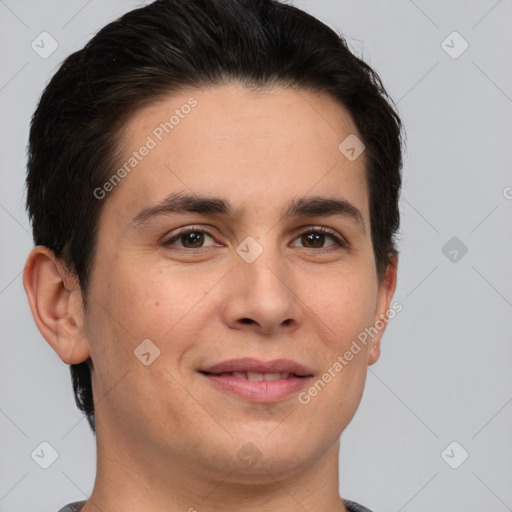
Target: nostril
<point>247,320</point>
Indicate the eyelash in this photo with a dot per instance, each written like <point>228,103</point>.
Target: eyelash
<point>319,230</point>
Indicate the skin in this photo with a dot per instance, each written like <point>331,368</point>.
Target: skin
<point>167,438</point>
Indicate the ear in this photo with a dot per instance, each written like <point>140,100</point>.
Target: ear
<point>55,300</point>
<point>386,291</point>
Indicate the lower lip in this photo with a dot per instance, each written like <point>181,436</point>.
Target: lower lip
<point>259,391</point>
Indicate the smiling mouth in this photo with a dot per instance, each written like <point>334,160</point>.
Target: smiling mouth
<point>257,387</point>
<point>256,376</point>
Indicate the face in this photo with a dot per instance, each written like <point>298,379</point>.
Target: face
<point>239,244</point>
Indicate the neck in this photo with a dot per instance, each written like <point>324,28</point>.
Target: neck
<point>132,479</point>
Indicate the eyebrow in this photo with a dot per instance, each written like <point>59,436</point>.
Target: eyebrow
<point>299,207</point>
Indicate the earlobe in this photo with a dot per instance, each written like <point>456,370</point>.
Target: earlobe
<point>374,354</point>
<point>387,289</point>
<point>54,297</point>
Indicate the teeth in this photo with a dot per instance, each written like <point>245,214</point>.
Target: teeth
<point>271,376</point>
<point>256,376</point>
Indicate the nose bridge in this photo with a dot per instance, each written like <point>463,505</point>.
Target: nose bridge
<point>264,287</point>
<point>259,261</point>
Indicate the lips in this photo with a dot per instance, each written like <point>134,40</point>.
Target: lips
<point>258,381</point>
<point>257,376</point>
<point>250,365</point>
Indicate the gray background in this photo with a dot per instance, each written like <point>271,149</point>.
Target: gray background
<point>444,374</point>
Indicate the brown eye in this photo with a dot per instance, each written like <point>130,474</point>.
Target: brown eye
<point>316,239</point>
<point>194,238</point>
<point>189,239</point>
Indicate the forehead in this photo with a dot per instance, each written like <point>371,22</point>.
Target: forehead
<point>257,148</point>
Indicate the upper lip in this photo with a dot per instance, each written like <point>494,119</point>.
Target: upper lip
<point>258,366</point>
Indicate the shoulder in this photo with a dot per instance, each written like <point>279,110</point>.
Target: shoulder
<point>73,507</point>
<point>352,506</point>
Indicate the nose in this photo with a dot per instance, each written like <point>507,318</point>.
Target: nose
<point>262,296</point>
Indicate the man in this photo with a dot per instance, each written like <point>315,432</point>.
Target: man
<point>213,188</point>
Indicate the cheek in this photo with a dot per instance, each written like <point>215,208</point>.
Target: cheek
<point>129,306</point>
<point>343,304</point>
<point>145,301</point>
<point>122,313</point>
<point>140,298</point>
<point>341,314</point>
